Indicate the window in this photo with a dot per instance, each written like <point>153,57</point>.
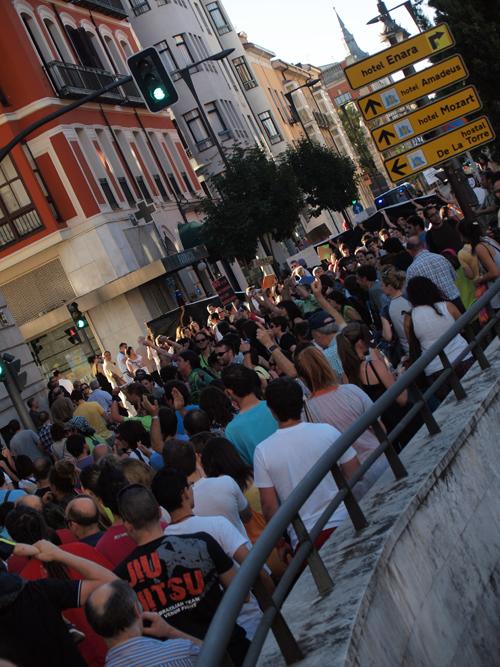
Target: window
<point>183,53</point>
<point>168,59</point>
<point>142,187</point>
<point>140,6</point>
<point>269,127</point>
<point>18,216</point>
<point>202,17</point>
<point>187,182</point>
<point>197,129</point>
<point>160,186</point>
<point>218,18</point>
<point>243,71</point>
<point>126,191</point>
<point>108,193</point>
<point>216,120</point>
<point>84,45</point>
<point>58,41</point>
<point>174,185</point>
<point>41,183</point>
<point>343,99</point>
<point>39,43</point>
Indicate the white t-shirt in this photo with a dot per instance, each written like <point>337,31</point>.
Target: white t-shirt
<point>230,540</point>
<point>220,496</point>
<point>283,459</point>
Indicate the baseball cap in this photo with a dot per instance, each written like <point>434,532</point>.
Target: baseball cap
<point>321,319</point>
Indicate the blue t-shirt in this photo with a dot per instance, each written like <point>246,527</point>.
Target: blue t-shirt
<point>248,429</point>
<point>14,494</point>
<point>180,421</point>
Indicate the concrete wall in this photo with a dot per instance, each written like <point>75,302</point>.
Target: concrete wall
<point>419,585</point>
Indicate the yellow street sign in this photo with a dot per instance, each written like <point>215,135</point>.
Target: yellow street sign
<point>397,57</point>
<point>442,148</point>
<point>417,85</point>
<point>427,118</point>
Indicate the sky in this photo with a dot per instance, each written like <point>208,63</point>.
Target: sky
<point>307,31</point>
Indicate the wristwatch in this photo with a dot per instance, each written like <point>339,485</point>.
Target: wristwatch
<point>272,348</point>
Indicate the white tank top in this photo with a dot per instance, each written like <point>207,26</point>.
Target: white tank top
<point>429,326</point>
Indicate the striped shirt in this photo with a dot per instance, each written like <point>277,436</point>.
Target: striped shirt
<point>149,652</point>
<point>438,269</point>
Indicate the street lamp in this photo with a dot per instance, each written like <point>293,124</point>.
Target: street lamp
<point>185,74</point>
<point>308,84</point>
<point>385,13</point>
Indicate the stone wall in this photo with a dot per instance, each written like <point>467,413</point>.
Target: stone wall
<point>418,586</point>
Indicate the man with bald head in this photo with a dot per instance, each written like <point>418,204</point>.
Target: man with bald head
<point>113,611</point>
<point>35,502</point>
<point>82,518</point>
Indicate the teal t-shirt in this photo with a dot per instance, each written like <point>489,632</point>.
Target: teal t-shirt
<point>248,429</point>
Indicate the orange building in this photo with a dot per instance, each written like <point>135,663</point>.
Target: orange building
<point>70,192</point>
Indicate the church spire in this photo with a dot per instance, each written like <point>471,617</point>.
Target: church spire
<point>350,43</point>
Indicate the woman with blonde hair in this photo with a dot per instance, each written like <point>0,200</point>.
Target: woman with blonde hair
<point>339,405</point>
<point>393,282</point>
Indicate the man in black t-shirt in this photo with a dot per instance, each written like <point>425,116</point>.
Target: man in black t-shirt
<point>178,577</point>
<point>32,630</point>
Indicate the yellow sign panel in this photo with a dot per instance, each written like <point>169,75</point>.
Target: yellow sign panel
<point>417,85</point>
<point>427,118</point>
<point>442,148</point>
<point>399,56</point>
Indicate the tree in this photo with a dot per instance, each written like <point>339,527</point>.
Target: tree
<point>351,120</point>
<point>476,28</point>
<point>327,179</point>
<point>258,200</point>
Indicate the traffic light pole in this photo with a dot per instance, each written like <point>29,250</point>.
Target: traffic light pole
<point>17,400</point>
<point>60,112</point>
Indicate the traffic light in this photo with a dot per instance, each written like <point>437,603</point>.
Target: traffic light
<point>10,371</point>
<point>78,317</point>
<point>73,336</point>
<point>152,79</point>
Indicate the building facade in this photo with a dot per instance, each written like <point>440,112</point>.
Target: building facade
<point>90,203</point>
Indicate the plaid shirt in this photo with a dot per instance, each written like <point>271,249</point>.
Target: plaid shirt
<point>46,436</point>
<point>436,268</point>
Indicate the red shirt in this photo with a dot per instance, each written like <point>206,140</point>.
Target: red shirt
<point>115,544</point>
<point>93,648</point>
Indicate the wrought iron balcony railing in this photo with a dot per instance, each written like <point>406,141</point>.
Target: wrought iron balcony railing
<point>111,7</point>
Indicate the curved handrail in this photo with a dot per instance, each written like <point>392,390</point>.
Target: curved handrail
<point>217,637</point>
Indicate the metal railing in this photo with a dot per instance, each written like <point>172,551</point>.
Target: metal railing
<point>111,7</point>
<point>216,640</point>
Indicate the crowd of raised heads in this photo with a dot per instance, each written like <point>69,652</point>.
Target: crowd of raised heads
<point>127,509</point>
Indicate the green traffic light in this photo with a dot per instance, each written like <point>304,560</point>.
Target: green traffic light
<point>81,323</point>
<point>159,94</point>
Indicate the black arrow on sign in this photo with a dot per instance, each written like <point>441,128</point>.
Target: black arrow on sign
<point>371,106</point>
<point>434,39</point>
<point>398,168</point>
<point>384,136</point>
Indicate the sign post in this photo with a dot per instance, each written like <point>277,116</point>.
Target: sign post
<point>442,148</point>
<point>399,56</point>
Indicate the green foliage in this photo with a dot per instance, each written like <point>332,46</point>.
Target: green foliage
<point>328,180</point>
<point>351,120</point>
<point>257,198</point>
<point>476,28</point>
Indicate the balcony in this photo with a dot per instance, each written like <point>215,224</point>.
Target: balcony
<point>75,81</point>
<point>19,226</point>
<point>204,144</point>
<point>321,120</point>
<point>225,135</point>
<point>110,7</point>
<point>249,84</point>
<point>140,7</point>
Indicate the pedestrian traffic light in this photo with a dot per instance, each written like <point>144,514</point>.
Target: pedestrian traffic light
<point>10,371</point>
<point>73,336</point>
<point>152,79</point>
<point>78,317</point>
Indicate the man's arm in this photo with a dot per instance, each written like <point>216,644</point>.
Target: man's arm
<point>269,501</point>
<point>326,305</point>
<point>282,361</point>
<point>159,628</point>
<point>156,437</point>
<point>93,574</point>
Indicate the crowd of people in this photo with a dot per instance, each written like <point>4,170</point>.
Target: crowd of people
<point>127,512</point>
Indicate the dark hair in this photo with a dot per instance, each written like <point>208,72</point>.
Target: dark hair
<point>302,330</point>
<point>240,379</point>
<point>63,476</point>
<point>111,481</point>
<point>76,395</point>
<point>57,431</point>
<point>200,440</point>
<point>219,457</point>
<point>177,384</point>
<point>416,221</point>
<point>27,525</point>
<point>346,340</point>
<point>451,256</point>
<point>367,271</point>
<point>223,327</point>
<point>292,310</point>
<point>2,477</point>
<point>133,432</point>
<point>14,425</point>
<point>217,405</point>
<point>168,486</point>
<point>470,231</point>
<point>138,506</point>
<point>136,388</point>
<point>168,422</point>
<point>339,297</point>
<point>191,357</point>
<point>280,321</point>
<point>168,373</point>
<point>285,398</point>
<point>422,291</point>
<point>118,613</point>
<point>41,468</point>
<point>392,246</point>
<point>75,445</point>
<point>196,421</point>
<point>89,477</point>
<point>24,466</point>
<point>179,454</point>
